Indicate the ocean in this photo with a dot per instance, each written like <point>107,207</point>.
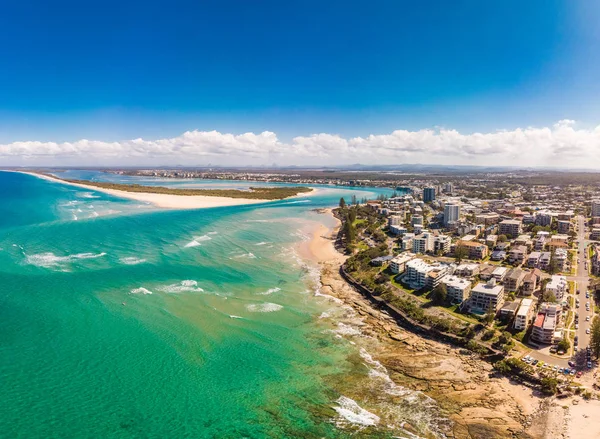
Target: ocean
<point>120,320</point>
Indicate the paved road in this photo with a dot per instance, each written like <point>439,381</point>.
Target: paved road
<point>581,279</point>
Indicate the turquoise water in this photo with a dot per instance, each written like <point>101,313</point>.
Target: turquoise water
<point>119,320</point>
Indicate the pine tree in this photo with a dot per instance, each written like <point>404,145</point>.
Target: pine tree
<point>595,337</point>
<point>342,203</point>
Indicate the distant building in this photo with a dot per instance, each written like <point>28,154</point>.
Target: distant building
<point>498,255</point>
<point>485,296</point>
<point>530,282</point>
<point>451,214</point>
<point>564,226</point>
<point>487,218</point>
<point>595,235</point>
<point>395,220</point>
<point>423,243</point>
<point>517,255</point>
<point>428,194</point>
<point>499,273</point>
<point>417,219</point>
<point>595,208</point>
<point>511,228</point>
<point>533,260</point>
<point>467,270</point>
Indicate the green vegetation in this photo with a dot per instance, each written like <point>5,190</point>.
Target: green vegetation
<point>255,193</point>
<point>595,337</point>
<point>549,386</point>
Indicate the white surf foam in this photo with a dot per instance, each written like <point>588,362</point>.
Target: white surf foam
<point>132,260</point>
<point>197,240</point>
<point>261,243</point>
<point>49,259</point>
<point>193,243</point>
<point>245,256</point>
<point>350,412</point>
<point>231,316</point>
<point>264,307</point>
<point>269,291</point>
<point>140,290</point>
<point>182,287</point>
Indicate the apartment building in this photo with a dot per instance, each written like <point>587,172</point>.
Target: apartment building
<point>524,315</point>
<point>511,228</point>
<point>564,226</point>
<point>545,323</point>
<point>451,214</point>
<point>422,243</point>
<point>441,244</point>
<point>485,296</point>
<point>558,286</point>
<point>517,255</point>
<point>458,289</point>
<point>514,279</point>
<point>398,264</point>
<point>476,249</point>
<point>533,260</point>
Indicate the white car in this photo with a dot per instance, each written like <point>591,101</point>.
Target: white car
<point>576,326</point>
<point>587,331</point>
<point>587,318</point>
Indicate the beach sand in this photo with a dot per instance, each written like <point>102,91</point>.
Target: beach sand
<point>320,247</point>
<point>165,201</point>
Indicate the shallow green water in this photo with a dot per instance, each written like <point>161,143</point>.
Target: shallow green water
<point>118,320</point>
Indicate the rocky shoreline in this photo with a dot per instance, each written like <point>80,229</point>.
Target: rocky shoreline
<point>479,403</point>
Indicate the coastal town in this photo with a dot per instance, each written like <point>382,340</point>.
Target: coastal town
<point>511,276</point>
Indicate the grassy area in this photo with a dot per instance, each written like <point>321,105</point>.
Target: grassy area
<point>255,193</point>
<point>358,222</point>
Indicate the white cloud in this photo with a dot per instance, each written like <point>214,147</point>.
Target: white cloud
<point>562,144</point>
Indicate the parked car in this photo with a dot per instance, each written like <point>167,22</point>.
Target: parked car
<point>587,331</point>
<point>579,374</point>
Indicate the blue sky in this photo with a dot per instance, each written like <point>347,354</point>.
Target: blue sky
<point>116,70</point>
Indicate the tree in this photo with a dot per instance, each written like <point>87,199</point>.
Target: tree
<point>352,215</point>
<point>502,238</point>
<point>439,294</point>
<point>342,203</point>
<point>564,345</point>
<point>595,337</point>
<point>489,315</point>
<point>354,200</point>
<point>549,297</point>
<point>549,386</point>
<point>460,253</point>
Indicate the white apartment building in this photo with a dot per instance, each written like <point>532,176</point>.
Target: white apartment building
<point>398,264</point>
<point>451,213</point>
<point>558,286</point>
<point>441,244</point>
<point>395,220</point>
<point>416,272</point>
<point>524,315</point>
<point>485,296</point>
<point>407,241</point>
<point>422,243</point>
<point>457,289</point>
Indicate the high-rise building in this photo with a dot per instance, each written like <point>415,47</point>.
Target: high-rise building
<point>451,213</point>
<point>428,194</point>
<point>595,207</point>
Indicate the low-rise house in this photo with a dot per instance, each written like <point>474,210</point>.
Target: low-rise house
<point>486,296</point>
<point>514,279</point>
<point>553,244</point>
<point>517,255</point>
<point>379,261</point>
<point>458,289</point>
<point>524,315</point>
<point>498,255</point>
<point>398,264</point>
<point>545,323</point>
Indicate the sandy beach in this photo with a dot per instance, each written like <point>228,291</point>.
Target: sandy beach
<point>165,201</point>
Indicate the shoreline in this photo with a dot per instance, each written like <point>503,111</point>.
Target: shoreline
<point>477,402</point>
<point>164,201</point>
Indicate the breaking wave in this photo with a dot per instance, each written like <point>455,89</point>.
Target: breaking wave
<point>182,287</point>
<point>50,260</point>
<point>140,290</point>
<point>349,412</point>
<point>132,260</point>
<point>264,307</point>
